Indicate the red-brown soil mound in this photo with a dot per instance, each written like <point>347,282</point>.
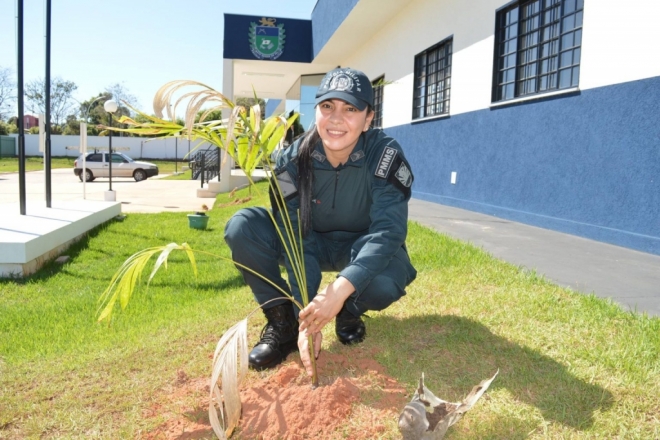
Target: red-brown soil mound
<point>354,400</point>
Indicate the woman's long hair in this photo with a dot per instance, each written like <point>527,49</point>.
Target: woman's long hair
<point>308,142</point>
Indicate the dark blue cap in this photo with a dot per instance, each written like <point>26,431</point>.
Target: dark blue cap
<point>347,84</point>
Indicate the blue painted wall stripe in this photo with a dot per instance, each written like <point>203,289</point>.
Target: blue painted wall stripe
<point>271,105</point>
<point>326,18</point>
<point>586,164</point>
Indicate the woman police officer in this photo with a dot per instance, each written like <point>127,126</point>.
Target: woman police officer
<point>352,186</point>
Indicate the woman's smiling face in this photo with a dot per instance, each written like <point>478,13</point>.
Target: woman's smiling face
<point>340,124</point>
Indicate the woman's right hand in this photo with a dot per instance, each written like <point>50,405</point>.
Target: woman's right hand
<point>325,305</point>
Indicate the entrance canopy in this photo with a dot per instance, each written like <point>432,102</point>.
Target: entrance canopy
<point>272,57</point>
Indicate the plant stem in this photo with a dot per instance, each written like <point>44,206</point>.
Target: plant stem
<point>315,376</point>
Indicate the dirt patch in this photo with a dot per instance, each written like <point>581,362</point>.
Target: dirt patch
<point>235,202</point>
<point>355,400</point>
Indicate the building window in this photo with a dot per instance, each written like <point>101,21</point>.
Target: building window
<point>432,80</point>
<point>378,85</point>
<point>537,47</point>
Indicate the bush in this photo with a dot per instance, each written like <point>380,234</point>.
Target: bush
<point>6,128</point>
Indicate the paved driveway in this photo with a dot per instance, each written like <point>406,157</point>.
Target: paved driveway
<point>151,195</point>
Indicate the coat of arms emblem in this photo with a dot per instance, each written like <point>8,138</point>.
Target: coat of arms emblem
<point>267,39</point>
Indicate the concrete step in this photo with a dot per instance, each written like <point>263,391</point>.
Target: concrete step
<point>29,241</point>
<point>215,185</point>
<point>206,192</point>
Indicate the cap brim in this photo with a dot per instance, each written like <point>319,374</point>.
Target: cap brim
<point>344,96</point>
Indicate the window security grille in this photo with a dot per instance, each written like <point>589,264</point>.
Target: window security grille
<point>378,85</point>
<point>537,47</point>
<point>432,80</point>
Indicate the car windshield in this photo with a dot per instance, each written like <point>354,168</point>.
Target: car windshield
<point>125,157</point>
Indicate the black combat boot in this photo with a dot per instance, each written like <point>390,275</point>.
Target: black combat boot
<point>279,337</point>
<point>350,329</point>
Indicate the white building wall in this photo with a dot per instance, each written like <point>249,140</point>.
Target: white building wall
<point>620,42</point>
<point>136,148</point>
<point>619,45</point>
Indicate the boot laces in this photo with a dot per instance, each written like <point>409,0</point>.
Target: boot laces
<point>271,335</point>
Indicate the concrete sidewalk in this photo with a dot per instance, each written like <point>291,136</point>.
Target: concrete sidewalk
<point>151,195</point>
<point>628,277</point>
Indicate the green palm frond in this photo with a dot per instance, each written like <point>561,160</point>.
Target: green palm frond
<point>124,281</point>
<point>245,136</point>
<point>126,278</point>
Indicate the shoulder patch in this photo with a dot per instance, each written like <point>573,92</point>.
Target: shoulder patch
<point>385,162</point>
<point>404,175</point>
<point>400,176</point>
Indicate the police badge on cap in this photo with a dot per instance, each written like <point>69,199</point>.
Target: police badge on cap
<point>347,84</point>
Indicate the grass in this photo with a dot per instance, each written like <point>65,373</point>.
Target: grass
<point>571,366</point>
<point>35,163</point>
<point>170,167</point>
<point>185,175</point>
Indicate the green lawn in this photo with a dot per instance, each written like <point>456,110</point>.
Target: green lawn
<point>35,163</point>
<point>181,175</point>
<point>571,366</point>
<point>170,167</point>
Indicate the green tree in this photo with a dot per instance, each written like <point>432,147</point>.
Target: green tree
<point>72,126</point>
<point>4,128</point>
<point>91,111</point>
<point>122,96</point>
<point>215,115</point>
<point>61,99</point>
<point>7,95</point>
<point>249,102</point>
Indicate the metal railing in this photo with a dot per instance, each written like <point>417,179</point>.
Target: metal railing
<point>205,164</point>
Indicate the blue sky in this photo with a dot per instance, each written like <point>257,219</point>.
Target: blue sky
<point>141,44</point>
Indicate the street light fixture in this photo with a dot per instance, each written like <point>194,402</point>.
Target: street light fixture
<point>87,109</point>
<point>110,106</point>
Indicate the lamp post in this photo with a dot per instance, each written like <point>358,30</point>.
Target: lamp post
<point>84,110</point>
<point>110,106</point>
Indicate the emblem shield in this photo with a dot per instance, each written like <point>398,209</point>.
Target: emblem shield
<point>266,39</point>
